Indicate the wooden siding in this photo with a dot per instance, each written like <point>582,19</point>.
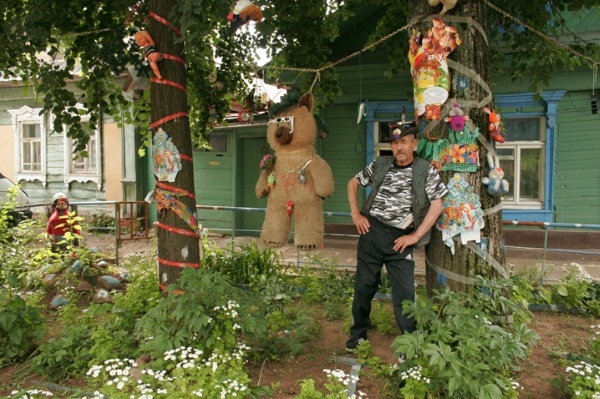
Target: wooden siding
<point>577,173</point>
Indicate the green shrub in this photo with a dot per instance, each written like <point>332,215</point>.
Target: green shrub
<point>202,310</point>
<point>21,326</point>
<point>457,350</point>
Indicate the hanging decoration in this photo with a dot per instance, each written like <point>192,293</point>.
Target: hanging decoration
<point>241,13</point>
<point>429,68</point>
<point>167,162</point>
<point>167,200</point>
<point>462,213</point>
<point>495,126</point>
<point>447,5</point>
<point>144,40</point>
<point>296,184</point>
<point>497,184</point>
<point>462,153</point>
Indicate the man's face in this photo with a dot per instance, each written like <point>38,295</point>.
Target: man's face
<point>403,148</point>
<point>62,204</point>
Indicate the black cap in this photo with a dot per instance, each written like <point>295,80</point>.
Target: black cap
<point>400,129</point>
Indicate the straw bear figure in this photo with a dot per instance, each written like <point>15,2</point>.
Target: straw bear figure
<point>297,182</point>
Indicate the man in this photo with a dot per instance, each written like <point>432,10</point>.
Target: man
<point>405,202</point>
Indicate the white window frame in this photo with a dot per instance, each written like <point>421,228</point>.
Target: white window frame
<point>82,177</point>
<point>517,146</point>
<point>23,116</point>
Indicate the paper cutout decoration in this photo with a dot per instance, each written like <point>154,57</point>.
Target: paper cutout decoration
<point>462,213</point>
<point>462,155</point>
<point>167,162</point>
<point>429,68</point>
<point>166,200</point>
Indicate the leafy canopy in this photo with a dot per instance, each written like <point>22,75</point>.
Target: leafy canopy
<point>70,55</point>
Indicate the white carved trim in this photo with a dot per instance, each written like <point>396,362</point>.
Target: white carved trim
<point>82,177</point>
<point>19,117</point>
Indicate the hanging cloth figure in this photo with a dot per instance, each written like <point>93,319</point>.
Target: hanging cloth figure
<point>462,213</point>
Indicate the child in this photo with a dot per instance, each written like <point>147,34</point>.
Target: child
<point>58,224</point>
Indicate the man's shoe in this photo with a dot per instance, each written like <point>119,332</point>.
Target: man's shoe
<point>352,344</point>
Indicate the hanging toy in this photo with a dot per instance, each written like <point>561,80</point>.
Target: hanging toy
<point>494,127</point>
<point>497,184</point>
<point>242,12</point>
<point>457,118</point>
<point>144,40</point>
<point>271,180</point>
<point>289,205</point>
<point>447,5</point>
<point>302,176</point>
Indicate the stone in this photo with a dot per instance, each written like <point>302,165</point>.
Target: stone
<point>109,283</point>
<point>102,296</point>
<point>77,266</point>
<point>49,280</point>
<point>58,301</point>
<point>84,286</point>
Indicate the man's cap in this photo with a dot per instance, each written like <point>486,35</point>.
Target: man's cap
<point>400,129</point>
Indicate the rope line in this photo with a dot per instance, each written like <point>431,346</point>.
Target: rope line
<point>163,21</point>
<point>540,34</point>
<point>170,83</point>
<point>176,230</point>
<point>167,119</point>
<point>177,190</point>
<point>178,264</point>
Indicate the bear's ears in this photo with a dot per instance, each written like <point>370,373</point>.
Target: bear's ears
<point>306,101</point>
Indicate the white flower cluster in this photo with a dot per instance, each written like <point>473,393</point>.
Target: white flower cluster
<point>590,371</point>
<point>415,374</point>
<point>598,327</point>
<point>341,376</point>
<point>346,380</point>
<point>31,393</point>
<point>186,356</point>
<point>229,310</point>
<point>113,367</point>
<point>515,385</point>
<point>582,274</point>
<point>232,389</point>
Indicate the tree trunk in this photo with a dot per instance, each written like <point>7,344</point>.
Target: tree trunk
<point>468,63</point>
<point>178,242</point>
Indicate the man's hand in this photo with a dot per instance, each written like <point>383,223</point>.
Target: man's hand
<point>401,243</point>
<point>361,223</point>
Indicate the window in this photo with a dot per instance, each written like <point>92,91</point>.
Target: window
<point>523,162</point>
<point>89,164</point>
<point>527,155</point>
<point>29,129</point>
<point>83,169</point>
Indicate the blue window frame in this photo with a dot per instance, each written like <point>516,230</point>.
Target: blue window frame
<point>532,199</point>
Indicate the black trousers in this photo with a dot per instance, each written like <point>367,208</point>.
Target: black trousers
<point>375,249</point>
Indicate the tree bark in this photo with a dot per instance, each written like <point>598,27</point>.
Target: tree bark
<point>469,60</point>
<point>178,242</point>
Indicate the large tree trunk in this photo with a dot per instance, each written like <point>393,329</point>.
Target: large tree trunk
<point>178,241</point>
<point>470,60</point>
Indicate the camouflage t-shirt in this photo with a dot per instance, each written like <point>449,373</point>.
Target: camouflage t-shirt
<point>393,203</point>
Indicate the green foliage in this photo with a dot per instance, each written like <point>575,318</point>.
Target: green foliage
<point>577,290</point>
<point>112,334</point>
<point>382,318</point>
<point>457,350</point>
<point>246,265</point>
<point>21,327</point>
<point>325,285</point>
<point>335,386</point>
<point>68,355</point>
<point>202,310</point>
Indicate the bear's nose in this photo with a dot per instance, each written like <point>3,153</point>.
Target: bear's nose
<point>284,135</point>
